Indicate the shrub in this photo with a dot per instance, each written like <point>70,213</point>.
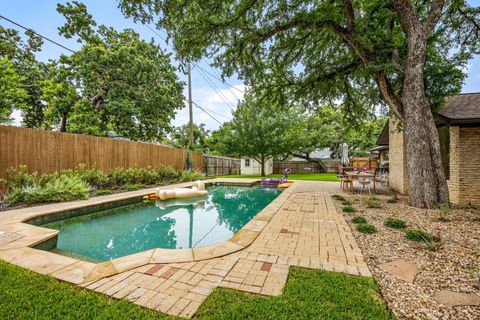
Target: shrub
<point>434,244</point>
<point>348,209</point>
<point>475,274</point>
<point>346,203</point>
<point>443,211</point>
<point>133,187</point>
<point>359,219</point>
<point>366,228</point>
<point>395,223</point>
<point>63,188</point>
<point>392,200</point>
<point>372,202</point>
<point>190,176</point>
<point>338,197</point>
<point>418,235</point>
<point>72,184</point>
<point>188,164</point>
<point>103,192</point>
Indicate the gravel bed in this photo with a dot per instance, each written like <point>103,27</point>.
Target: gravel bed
<point>448,268</point>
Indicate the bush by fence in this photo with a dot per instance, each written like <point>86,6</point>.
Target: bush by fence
<point>46,151</point>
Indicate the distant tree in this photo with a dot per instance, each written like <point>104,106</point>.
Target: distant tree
<point>180,137</point>
<point>406,54</point>
<point>61,97</point>
<point>262,129</point>
<point>328,127</point>
<point>20,73</point>
<point>130,84</point>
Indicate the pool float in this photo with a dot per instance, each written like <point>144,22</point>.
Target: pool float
<point>197,190</point>
<point>284,185</point>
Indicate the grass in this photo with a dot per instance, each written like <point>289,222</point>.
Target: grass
<point>309,294</point>
<point>326,176</point>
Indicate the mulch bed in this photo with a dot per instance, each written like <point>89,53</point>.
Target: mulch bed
<point>448,268</point>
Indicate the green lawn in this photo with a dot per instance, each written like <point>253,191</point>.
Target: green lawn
<point>327,176</point>
<point>309,294</point>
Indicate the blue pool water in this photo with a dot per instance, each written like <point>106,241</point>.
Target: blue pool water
<point>182,223</point>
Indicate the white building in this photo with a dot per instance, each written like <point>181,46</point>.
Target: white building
<point>252,166</point>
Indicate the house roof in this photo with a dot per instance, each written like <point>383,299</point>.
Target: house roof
<point>463,108</point>
<point>383,137</point>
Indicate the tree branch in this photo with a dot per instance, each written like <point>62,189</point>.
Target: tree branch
<point>435,13</point>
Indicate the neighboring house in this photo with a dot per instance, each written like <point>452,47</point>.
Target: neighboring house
<point>382,146</point>
<point>458,124</point>
<point>252,166</point>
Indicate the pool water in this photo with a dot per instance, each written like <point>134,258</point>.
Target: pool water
<point>177,223</point>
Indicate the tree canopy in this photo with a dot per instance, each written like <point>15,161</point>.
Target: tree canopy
<point>261,129</point>
<point>116,84</point>
<point>406,54</point>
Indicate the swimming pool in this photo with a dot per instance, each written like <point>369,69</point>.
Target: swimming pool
<point>171,224</point>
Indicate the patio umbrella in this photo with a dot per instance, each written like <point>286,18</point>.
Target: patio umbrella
<point>345,160</point>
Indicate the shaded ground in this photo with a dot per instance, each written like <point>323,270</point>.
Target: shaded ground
<point>309,294</point>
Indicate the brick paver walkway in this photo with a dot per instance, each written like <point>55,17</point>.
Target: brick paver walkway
<point>305,231</point>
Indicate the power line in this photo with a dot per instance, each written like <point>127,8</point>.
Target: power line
<point>218,78</point>
<point>201,108</point>
<point>216,90</point>
<point>38,34</point>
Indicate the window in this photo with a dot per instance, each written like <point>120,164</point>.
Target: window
<point>247,162</point>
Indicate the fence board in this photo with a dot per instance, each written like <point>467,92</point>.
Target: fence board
<point>46,151</point>
<point>219,165</point>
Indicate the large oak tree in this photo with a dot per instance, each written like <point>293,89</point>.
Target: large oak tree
<point>407,54</point>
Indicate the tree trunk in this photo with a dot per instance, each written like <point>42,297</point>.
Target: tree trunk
<point>262,163</point>
<point>427,185</point>
<point>63,125</point>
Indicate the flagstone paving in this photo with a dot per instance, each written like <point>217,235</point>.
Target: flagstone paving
<point>297,229</point>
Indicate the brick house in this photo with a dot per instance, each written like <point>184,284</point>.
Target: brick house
<point>458,124</point>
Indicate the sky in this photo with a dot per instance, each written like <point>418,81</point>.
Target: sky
<point>219,99</point>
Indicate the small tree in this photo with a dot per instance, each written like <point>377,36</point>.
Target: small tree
<point>262,129</point>
<point>188,165</point>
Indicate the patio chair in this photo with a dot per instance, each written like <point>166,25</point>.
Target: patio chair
<point>365,183</point>
<point>381,178</point>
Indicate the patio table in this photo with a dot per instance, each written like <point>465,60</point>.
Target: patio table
<point>354,176</point>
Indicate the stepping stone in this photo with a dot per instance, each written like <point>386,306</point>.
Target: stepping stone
<point>402,269</point>
<point>452,298</point>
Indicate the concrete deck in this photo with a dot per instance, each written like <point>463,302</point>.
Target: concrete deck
<point>299,228</point>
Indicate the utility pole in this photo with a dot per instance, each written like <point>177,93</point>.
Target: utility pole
<point>190,111</point>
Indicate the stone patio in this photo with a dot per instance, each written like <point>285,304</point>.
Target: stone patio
<point>299,228</point>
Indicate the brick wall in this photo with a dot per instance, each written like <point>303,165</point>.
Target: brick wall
<point>469,166</point>
<point>398,180</point>
<point>454,171</point>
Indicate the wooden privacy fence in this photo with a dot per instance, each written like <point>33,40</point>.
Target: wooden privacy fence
<point>296,166</point>
<point>47,151</point>
<point>328,165</point>
<point>361,162</point>
<point>219,165</point>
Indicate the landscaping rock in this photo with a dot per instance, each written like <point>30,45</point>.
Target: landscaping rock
<point>402,269</point>
<point>452,298</point>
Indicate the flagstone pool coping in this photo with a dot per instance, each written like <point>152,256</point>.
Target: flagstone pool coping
<point>22,251</point>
